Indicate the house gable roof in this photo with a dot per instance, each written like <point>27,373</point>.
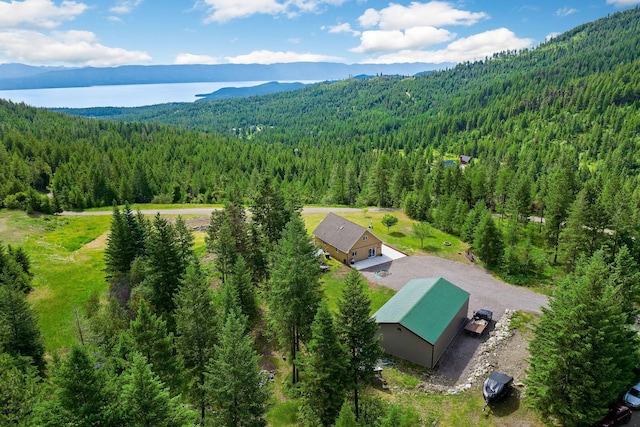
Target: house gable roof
<point>339,232</point>
<point>424,306</point>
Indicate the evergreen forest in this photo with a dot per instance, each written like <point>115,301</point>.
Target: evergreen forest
<point>530,157</point>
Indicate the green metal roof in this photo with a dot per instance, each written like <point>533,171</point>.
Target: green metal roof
<point>424,306</point>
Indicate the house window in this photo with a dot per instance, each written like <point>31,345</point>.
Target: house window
<point>337,250</point>
<point>365,237</point>
<point>355,253</point>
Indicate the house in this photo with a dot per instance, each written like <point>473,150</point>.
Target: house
<point>465,160</point>
<point>421,320</point>
<point>346,241</point>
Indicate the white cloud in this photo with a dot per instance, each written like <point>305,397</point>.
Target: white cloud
<point>470,48</point>
<point>189,58</point>
<point>226,10</point>
<point>623,3</point>
<point>270,57</point>
<point>432,14</point>
<point>125,6</point>
<point>343,28</point>
<point>38,13</point>
<point>78,48</point>
<point>565,11</point>
<point>412,38</point>
<point>412,27</point>
<point>551,35</point>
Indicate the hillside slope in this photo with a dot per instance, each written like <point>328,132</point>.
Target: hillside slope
<point>577,94</point>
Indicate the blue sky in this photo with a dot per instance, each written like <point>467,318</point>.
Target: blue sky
<point>119,32</point>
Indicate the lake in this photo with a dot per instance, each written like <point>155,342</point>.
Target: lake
<point>120,95</point>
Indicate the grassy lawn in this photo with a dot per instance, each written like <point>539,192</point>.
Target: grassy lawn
<point>399,236</point>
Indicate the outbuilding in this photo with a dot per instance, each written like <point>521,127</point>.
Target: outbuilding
<point>422,319</point>
<point>346,241</point>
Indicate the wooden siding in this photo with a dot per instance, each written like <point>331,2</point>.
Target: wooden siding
<point>362,247</point>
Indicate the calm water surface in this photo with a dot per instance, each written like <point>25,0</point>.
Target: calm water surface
<point>120,95</point>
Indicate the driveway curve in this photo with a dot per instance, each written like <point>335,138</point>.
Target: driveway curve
<point>486,291</point>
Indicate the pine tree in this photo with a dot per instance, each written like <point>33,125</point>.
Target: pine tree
<point>378,183</point>
<point>352,184</point>
<point>234,385</point>
<point>472,220</point>
<point>294,288</point>
<point>240,280</point>
<point>184,241</point>
<point>19,388</point>
<point>237,220</point>
<point>337,185</point>
<point>144,401</point>
<point>125,242</point>
<point>583,351</point>
<point>196,322</point>
<point>115,253</point>
<point>423,207</point>
<point>487,242</point>
<point>558,202</point>
<point>150,337</point>
<point>346,417</point>
<point>357,333</point>
<point>256,257</point>
<point>325,370</point>
<point>165,263</point>
<point>14,269</point>
<point>19,332</point>
<point>401,182</point>
<point>82,393</point>
<point>225,250</point>
<point>269,210</point>
<point>215,222</point>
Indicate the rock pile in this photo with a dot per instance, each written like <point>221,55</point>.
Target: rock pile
<point>485,359</point>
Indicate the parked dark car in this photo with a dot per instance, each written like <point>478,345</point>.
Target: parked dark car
<point>495,386</point>
<point>618,415</point>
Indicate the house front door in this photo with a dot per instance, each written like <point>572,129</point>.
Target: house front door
<point>372,252</point>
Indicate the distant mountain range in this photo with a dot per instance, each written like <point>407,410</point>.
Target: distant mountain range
<point>245,92</point>
<point>20,76</point>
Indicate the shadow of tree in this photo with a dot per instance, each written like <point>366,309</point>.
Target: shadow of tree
<point>396,234</point>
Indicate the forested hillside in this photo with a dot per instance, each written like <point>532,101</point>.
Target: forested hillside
<point>530,157</point>
<point>544,127</point>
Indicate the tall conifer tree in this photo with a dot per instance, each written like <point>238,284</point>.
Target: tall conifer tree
<point>294,288</point>
<point>357,332</point>
<point>583,351</point>
<point>234,384</point>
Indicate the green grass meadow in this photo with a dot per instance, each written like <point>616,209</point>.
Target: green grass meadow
<point>67,263</point>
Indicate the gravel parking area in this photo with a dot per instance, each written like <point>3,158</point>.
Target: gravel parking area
<point>485,292</point>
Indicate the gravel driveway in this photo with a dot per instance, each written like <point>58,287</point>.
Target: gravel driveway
<point>486,292</point>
